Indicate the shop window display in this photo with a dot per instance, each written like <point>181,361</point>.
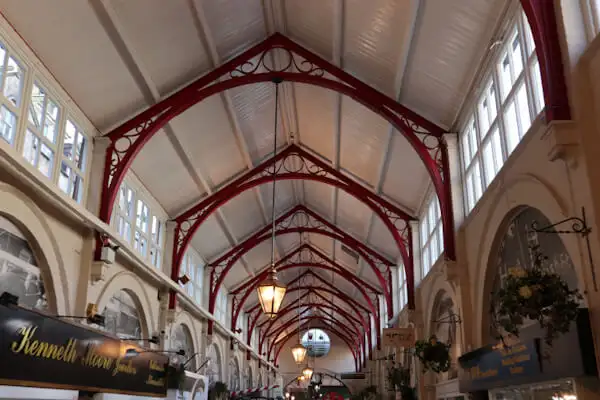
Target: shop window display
<point>19,270</point>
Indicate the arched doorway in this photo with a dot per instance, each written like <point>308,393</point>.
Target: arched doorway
<point>181,339</point>
<point>213,370</point>
<point>122,317</point>
<point>20,274</point>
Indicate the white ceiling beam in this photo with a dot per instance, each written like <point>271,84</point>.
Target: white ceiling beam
<point>339,15</point>
<point>108,18</point>
<point>398,81</point>
<point>207,39</point>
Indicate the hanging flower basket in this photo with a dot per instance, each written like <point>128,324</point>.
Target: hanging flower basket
<point>176,376</point>
<point>538,294</point>
<point>434,355</point>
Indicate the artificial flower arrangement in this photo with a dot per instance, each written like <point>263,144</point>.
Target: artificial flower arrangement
<point>538,294</point>
<point>433,354</point>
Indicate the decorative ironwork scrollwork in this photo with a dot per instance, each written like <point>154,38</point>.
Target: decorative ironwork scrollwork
<point>266,63</point>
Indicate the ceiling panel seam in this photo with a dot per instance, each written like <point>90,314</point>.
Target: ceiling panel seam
<point>108,18</point>
<point>206,37</point>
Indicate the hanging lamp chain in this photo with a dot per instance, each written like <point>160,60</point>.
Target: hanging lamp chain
<point>274,172</point>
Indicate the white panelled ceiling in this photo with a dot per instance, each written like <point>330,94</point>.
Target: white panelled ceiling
<point>116,57</point>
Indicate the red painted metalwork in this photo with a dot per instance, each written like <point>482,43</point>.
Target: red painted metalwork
<point>541,15</point>
<point>302,66</point>
<point>352,344</point>
<point>393,218</point>
<point>298,304</point>
<point>300,220</point>
<point>316,259</point>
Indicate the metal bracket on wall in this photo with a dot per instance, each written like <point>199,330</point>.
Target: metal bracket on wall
<point>579,227</point>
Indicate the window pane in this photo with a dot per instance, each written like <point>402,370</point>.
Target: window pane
<point>487,109</point>
<point>14,81</point>
<point>517,56</point>
<point>141,217</point>
<point>2,60</point>
<point>477,183</point>
<point>524,115</point>
<point>8,124</point>
<point>469,143</point>
<point>492,156</point>
<point>64,178</point>
<point>77,188</point>
<point>528,35</point>
<point>69,140</point>
<point>80,151</point>
<point>51,121</point>
<point>512,128</point>
<point>538,90</point>
<point>424,230</point>
<point>46,161</point>
<point>36,108</point>
<point>156,225</point>
<point>504,75</point>
<point>30,147</point>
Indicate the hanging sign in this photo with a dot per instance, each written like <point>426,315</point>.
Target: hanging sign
<point>495,365</point>
<point>398,337</point>
<point>40,351</point>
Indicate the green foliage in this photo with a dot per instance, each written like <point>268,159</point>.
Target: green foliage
<point>176,376</point>
<point>434,355</point>
<point>398,376</point>
<point>538,294</point>
<point>218,391</point>
<point>399,379</point>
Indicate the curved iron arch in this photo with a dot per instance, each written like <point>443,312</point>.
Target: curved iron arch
<point>147,123</point>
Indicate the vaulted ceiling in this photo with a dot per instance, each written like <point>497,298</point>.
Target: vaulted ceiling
<point>118,57</point>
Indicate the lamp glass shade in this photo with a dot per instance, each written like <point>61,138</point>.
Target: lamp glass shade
<point>270,294</point>
<point>307,373</point>
<point>299,353</point>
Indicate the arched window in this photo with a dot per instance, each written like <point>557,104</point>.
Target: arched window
<point>19,271</point>
<point>213,371</point>
<point>122,317</point>
<point>249,381</point>
<point>234,374</point>
<point>316,342</point>
<point>444,330</point>
<point>181,338</point>
<point>514,251</point>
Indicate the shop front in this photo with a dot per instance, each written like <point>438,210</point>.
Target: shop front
<point>44,357</point>
<point>530,369</point>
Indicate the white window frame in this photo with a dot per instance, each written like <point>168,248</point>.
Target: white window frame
<point>193,265</point>
<point>430,234</point>
<point>402,289</point>
<point>221,305</point>
<point>495,140</point>
<point>154,244</point>
<point>34,72</point>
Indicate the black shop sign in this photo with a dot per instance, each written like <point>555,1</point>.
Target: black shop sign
<point>41,351</point>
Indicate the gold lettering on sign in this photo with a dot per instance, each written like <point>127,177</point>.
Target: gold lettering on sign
<point>124,367</point>
<point>155,382</point>
<point>154,366</point>
<point>94,360</point>
<point>516,370</point>
<point>40,349</point>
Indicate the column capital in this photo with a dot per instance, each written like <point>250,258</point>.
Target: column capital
<point>562,142</point>
<point>101,144</point>
<point>451,139</point>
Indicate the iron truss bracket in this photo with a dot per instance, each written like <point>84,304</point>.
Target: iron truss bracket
<point>306,166</point>
<point>302,66</point>
<point>309,257</point>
